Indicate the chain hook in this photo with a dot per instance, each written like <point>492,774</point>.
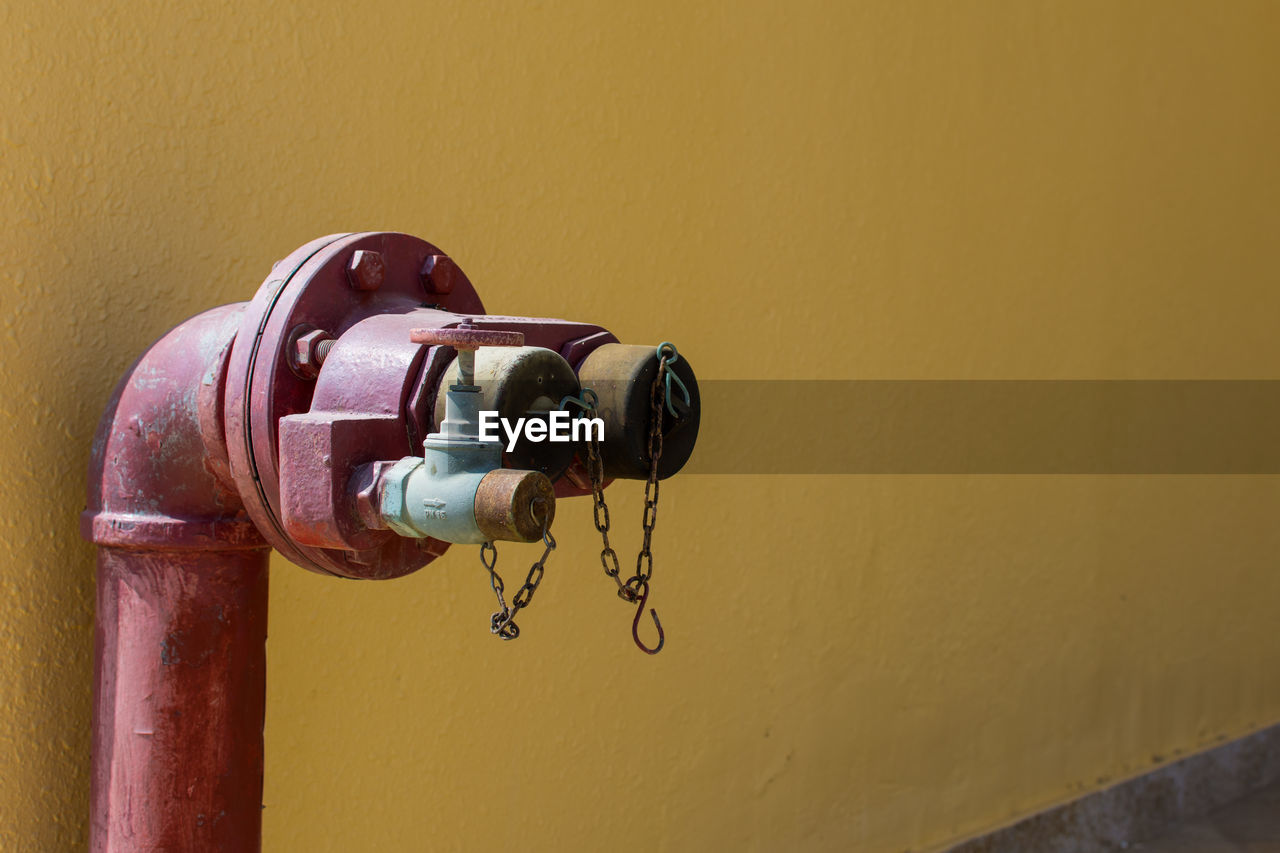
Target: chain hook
<point>667,353</point>
<point>635,624</point>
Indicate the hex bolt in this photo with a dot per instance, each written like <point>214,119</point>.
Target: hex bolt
<point>308,350</point>
<point>438,273</point>
<point>366,270</point>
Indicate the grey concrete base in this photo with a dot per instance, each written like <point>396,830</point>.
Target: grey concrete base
<point>1251,825</point>
<point>1142,808</point>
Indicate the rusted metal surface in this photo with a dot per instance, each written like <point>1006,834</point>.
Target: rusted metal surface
<point>503,504</point>
<point>466,338</point>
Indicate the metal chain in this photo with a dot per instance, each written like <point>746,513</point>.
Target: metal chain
<point>639,582</point>
<point>636,588</point>
<point>503,621</point>
<point>600,509</point>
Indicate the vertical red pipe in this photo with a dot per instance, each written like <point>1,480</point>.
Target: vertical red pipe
<point>181,673</point>
<point>182,609</point>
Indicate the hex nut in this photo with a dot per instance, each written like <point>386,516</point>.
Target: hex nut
<point>438,274</point>
<point>307,353</point>
<point>390,495</point>
<point>366,270</point>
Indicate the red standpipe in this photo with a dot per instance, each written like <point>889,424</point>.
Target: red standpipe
<point>226,439</point>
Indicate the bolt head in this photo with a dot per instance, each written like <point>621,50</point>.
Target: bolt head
<point>438,274</point>
<point>303,356</point>
<point>366,270</point>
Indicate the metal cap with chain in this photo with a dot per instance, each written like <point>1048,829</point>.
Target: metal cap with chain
<point>662,402</point>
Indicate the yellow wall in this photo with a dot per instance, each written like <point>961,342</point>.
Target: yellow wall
<point>841,190</point>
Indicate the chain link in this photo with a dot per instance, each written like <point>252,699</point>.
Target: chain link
<point>600,509</point>
<point>503,621</point>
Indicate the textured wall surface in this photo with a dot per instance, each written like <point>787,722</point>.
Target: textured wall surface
<point>842,190</point>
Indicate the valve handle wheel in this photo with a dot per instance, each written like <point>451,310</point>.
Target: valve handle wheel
<point>467,338</point>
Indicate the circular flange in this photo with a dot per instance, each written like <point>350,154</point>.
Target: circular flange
<point>314,286</point>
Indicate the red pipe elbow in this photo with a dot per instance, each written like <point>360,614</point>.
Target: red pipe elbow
<point>158,476</point>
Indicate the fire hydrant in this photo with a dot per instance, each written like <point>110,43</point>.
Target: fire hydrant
<point>338,417</point>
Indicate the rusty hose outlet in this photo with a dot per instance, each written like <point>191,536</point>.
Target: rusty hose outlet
<point>505,501</point>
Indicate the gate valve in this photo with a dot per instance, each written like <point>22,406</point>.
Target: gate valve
<point>458,491</point>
